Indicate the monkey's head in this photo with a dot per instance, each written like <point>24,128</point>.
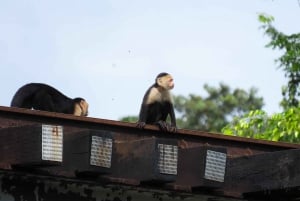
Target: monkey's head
<point>165,80</point>
<point>81,107</point>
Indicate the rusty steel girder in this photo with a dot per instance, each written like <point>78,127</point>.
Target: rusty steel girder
<point>112,152</point>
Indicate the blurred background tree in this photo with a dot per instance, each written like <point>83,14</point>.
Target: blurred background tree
<point>277,127</point>
<point>213,112</point>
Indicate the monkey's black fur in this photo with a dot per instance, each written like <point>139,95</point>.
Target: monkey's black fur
<point>40,96</point>
<point>157,111</point>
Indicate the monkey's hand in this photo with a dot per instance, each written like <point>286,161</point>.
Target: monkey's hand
<point>163,125</point>
<point>172,129</point>
<point>141,125</point>
<point>167,127</point>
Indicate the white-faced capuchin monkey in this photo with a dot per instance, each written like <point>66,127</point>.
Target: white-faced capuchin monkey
<point>40,96</point>
<point>157,104</point>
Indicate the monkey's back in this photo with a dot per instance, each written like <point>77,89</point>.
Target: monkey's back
<point>32,94</point>
<point>24,94</point>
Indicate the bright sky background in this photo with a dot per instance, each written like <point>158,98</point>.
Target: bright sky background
<point>110,51</point>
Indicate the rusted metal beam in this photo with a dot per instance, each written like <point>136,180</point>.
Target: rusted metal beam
<point>16,186</point>
<point>265,173</point>
<point>236,146</point>
<point>146,160</point>
<point>201,167</point>
<point>131,156</point>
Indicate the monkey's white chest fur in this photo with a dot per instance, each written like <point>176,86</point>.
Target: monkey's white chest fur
<point>156,96</point>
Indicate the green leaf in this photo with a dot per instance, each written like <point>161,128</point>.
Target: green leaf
<point>265,18</point>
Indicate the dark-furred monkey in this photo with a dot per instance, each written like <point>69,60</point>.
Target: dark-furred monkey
<point>157,104</point>
<point>40,96</point>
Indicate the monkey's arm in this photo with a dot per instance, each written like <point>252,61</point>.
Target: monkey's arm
<point>172,115</point>
<point>142,117</point>
<point>163,125</point>
<point>173,127</point>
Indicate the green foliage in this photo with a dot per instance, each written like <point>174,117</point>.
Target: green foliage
<point>266,19</point>
<point>213,112</point>
<point>281,126</point>
<point>289,45</point>
<point>277,127</point>
<point>131,119</point>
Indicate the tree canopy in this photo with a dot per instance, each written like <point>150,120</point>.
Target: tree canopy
<point>213,112</point>
<point>289,61</point>
<point>277,127</point>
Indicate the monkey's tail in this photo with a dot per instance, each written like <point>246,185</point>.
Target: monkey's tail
<point>23,97</point>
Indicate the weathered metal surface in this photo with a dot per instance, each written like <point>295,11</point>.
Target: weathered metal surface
<point>16,186</point>
<point>198,168</point>
<point>113,152</point>
<point>146,160</point>
<point>31,145</point>
<point>265,173</point>
<point>101,151</point>
<point>52,143</point>
<point>236,146</point>
<point>84,153</point>
<point>215,166</point>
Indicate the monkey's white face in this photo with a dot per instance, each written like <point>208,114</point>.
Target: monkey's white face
<point>81,109</point>
<point>167,82</point>
<point>84,108</point>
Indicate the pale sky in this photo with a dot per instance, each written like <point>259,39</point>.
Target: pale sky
<point>110,51</point>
